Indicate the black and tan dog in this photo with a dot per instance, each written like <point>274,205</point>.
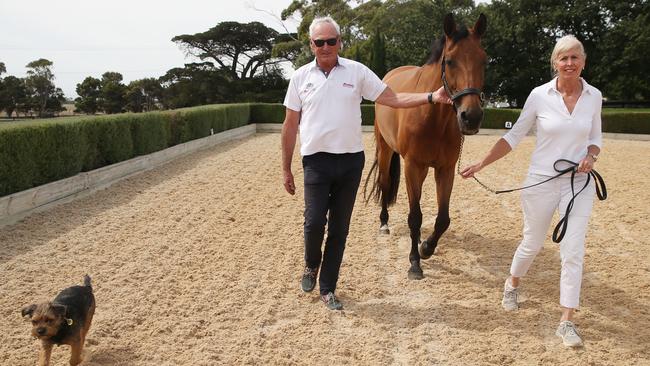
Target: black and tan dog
<point>65,320</point>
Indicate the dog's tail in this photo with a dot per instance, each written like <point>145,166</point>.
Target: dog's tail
<point>87,281</point>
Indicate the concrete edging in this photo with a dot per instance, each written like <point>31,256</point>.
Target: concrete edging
<point>16,206</point>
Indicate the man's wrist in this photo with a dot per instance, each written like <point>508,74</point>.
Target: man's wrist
<point>430,98</point>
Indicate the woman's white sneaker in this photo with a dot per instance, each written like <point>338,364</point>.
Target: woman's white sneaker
<point>569,334</point>
<point>510,295</point>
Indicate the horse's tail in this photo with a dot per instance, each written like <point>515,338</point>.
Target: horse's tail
<point>376,191</point>
<point>374,195</point>
<point>394,174</point>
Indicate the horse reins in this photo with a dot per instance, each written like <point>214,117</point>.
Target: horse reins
<point>561,227</point>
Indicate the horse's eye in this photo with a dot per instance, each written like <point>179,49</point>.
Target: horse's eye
<point>450,62</point>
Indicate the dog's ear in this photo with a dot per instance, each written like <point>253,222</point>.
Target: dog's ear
<point>28,310</point>
<point>59,309</point>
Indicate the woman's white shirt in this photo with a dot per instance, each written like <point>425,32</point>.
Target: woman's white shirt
<point>560,134</point>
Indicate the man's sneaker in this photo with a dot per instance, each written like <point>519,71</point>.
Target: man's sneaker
<point>308,281</point>
<point>331,301</point>
<point>569,334</point>
<point>510,295</point>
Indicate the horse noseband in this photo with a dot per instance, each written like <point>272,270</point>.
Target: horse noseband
<point>461,93</point>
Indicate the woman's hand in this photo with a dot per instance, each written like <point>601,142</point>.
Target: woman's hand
<point>469,171</point>
<point>586,164</point>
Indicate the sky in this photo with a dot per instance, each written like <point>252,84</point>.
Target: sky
<point>89,37</point>
<point>133,37</point>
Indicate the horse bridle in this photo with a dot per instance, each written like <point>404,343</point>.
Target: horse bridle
<point>461,93</point>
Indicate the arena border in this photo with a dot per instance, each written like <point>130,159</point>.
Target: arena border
<point>19,205</point>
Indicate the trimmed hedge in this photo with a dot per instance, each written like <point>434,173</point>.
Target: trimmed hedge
<point>36,152</point>
<point>41,151</point>
<point>626,122</point>
<point>267,113</point>
<point>497,118</point>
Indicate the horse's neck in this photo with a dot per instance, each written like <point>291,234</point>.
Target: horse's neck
<point>430,77</point>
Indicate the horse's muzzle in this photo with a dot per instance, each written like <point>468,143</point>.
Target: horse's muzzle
<point>469,120</point>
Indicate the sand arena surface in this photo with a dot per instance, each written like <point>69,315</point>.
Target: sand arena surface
<point>198,262</point>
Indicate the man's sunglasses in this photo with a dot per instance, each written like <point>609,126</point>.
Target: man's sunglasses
<point>321,42</point>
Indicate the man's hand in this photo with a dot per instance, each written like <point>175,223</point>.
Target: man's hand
<point>441,96</point>
<point>289,132</point>
<point>289,185</point>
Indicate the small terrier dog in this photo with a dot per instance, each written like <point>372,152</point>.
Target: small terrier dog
<point>65,320</point>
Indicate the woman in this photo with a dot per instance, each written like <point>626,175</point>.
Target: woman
<point>566,112</point>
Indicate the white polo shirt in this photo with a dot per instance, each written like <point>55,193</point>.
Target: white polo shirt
<point>560,134</point>
<point>330,119</point>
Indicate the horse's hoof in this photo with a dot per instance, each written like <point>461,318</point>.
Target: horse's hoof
<point>425,252</point>
<point>415,274</point>
<point>384,229</point>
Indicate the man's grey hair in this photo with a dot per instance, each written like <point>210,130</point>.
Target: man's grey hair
<point>321,20</point>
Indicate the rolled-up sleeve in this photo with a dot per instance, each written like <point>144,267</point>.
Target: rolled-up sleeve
<point>596,134</point>
<point>526,120</point>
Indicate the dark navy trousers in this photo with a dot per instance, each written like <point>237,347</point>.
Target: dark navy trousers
<point>331,184</point>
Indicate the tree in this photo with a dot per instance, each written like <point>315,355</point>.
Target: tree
<point>143,95</point>
<point>89,91</point>
<point>13,94</point>
<point>378,56</point>
<point>517,49</point>
<point>196,84</point>
<point>54,103</point>
<point>286,47</point>
<point>113,93</point>
<point>522,35</point>
<point>134,99</point>
<point>40,83</point>
<point>406,42</point>
<point>3,69</point>
<point>242,49</point>
<point>620,56</point>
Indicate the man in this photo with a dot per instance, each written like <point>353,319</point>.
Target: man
<point>323,99</point>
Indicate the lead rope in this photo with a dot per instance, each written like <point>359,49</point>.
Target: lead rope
<point>561,227</point>
<point>460,155</point>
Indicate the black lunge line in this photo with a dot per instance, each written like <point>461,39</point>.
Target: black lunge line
<point>561,227</point>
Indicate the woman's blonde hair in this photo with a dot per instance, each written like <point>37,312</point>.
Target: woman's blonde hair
<point>564,44</point>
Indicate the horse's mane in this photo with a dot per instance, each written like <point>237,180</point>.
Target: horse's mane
<point>439,44</point>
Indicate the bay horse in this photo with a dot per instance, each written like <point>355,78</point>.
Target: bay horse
<point>429,135</point>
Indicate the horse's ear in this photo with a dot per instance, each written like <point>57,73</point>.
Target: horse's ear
<point>450,25</point>
<point>481,25</point>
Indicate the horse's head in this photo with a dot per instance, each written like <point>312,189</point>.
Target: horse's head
<point>463,66</point>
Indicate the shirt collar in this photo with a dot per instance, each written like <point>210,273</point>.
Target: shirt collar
<point>340,62</point>
<point>552,86</point>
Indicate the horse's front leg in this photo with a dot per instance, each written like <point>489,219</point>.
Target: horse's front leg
<point>444,184</point>
<point>415,176</point>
